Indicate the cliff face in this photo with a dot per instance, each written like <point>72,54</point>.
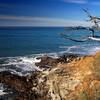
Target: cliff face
<point>75,80</point>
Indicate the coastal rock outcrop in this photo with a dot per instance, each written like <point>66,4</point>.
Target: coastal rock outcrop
<point>76,79</point>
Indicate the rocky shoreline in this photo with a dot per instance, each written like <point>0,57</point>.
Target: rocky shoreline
<point>69,77</point>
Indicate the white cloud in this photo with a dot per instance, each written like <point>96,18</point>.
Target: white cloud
<point>96,3</point>
<point>76,1</point>
<point>38,21</point>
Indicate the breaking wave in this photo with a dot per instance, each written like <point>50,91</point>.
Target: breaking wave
<point>88,49</point>
<point>24,65</point>
<point>19,65</point>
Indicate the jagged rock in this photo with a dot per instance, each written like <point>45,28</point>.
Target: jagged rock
<point>66,58</point>
<point>47,62</point>
<point>75,80</point>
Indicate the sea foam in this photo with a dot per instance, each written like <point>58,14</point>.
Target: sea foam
<point>20,65</point>
<point>26,64</point>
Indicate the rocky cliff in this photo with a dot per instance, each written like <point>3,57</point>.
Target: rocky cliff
<point>66,78</point>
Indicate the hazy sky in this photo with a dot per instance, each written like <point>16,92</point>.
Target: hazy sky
<point>46,12</point>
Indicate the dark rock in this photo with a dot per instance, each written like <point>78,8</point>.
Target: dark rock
<point>29,87</point>
<point>20,83</point>
<point>47,61</point>
<point>66,58</point>
<point>10,92</point>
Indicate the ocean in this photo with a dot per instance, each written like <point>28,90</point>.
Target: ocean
<point>20,46</point>
<point>26,41</point>
<point>21,41</point>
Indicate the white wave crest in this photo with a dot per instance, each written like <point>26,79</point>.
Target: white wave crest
<point>24,65</point>
<point>20,65</point>
<point>82,49</point>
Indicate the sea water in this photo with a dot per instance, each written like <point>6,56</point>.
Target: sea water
<point>21,41</point>
<point>20,47</point>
